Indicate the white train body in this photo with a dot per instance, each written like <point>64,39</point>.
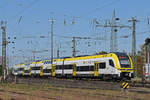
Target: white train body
<point>112,65</point>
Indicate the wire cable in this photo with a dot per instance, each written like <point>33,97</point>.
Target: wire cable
<point>25,8</point>
<point>100,8</point>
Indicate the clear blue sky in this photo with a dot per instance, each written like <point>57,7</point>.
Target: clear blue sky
<point>30,18</point>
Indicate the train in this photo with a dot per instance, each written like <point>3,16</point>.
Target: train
<point>115,65</point>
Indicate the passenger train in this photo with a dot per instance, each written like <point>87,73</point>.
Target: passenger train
<point>104,66</point>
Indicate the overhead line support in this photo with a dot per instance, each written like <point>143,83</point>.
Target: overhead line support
<point>134,20</point>
<point>4,43</point>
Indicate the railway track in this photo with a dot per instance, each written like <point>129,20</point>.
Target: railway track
<point>70,83</point>
<point>77,84</point>
<point>82,84</point>
<point>73,83</point>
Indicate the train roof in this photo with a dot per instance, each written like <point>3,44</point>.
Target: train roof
<point>78,57</point>
<point>82,55</point>
<point>120,53</point>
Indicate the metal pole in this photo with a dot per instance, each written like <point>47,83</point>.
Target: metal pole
<point>3,27</point>
<point>52,22</point>
<point>134,45</point>
<point>133,20</point>
<point>113,37</point>
<point>63,67</point>
<point>58,52</point>
<point>74,47</point>
<point>34,56</point>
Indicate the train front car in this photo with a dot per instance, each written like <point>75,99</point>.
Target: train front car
<point>125,66</point>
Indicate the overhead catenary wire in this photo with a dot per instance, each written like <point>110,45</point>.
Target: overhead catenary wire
<point>20,14</point>
<point>25,8</point>
<point>98,38</point>
<point>100,8</point>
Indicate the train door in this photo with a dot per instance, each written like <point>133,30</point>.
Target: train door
<point>23,71</point>
<point>74,70</point>
<point>30,71</point>
<point>103,69</point>
<point>53,70</point>
<point>41,72</point>
<point>96,66</point>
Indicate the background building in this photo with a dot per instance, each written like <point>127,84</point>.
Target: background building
<point>146,59</point>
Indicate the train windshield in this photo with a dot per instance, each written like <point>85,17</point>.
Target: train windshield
<point>124,60</point>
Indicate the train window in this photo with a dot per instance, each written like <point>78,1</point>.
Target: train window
<point>26,71</point>
<point>78,68</point>
<point>91,68</point>
<point>67,66</point>
<point>20,69</point>
<point>81,68</point>
<point>111,63</point>
<point>35,68</point>
<point>102,65</point>
<point>46,70</point>
<point>59,66</point>
<point>85,68</point>
<point>70,66</point>
<point>64,66</point>
<point>27,64</point>
<point>48,62</point>
<point>15,70</point>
